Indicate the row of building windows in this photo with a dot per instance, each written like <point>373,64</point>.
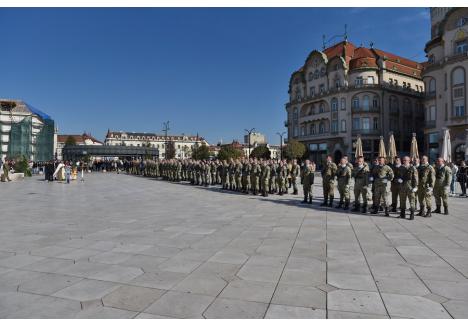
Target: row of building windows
<point>366,123</point>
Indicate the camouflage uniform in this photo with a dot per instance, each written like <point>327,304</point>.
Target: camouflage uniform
<point>408,178</point>
<point>381,175</point>
<point>265,179</point>
<point>343,174</point>
<point>307,179</point>
<point>443,178</point>
<point>426,174</point>
<point>255,177</point>
<point>361,183</point>
<point>295,171</point>
<point>328,182</point>
<point>395,186</point>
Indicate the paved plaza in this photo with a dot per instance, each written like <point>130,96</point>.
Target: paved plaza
<point>120,246</point>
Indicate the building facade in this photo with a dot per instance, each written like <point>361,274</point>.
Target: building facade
<point>344,91</point>
<point>84,139</point>
<point>25,130</point>
<point>183,144</point>
<point>255,137</point>
<point>445,75</point>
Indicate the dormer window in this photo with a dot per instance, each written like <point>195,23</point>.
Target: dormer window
<point>461,47</point>
<point>358,81</point>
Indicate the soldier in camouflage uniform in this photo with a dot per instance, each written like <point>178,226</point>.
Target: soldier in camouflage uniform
<point>255,177</point>
<point>295,172</point>
<point>232,175</point>
<point>273,177</point>
<point>307,180</point>
<point>265,178</point>
<point>426,174</point>
<point>328,182</point>
<point>282,177</point>
<point>381,175</point>
<point>443,178</point>
<point>343,174</point>
<point>238,175</point>
<point>396,185</point>
<point>408,179</point>
<point>361,182</point>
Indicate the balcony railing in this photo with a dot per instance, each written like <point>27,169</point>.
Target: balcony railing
<point>369,132</point>
<point>361,109</point>
<point>446,60</point>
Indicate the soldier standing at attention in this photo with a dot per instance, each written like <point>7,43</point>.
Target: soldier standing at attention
<point>381,175</point>
<point>265,178</point>
<point>255,177</point>
<point>307,177</point>
<point>283,178</point>
<point>426,174</point>
<point>443,178</point>
<point>295,172</point>
<point>274,178</point>
<point>361,181</point>
<point>408,179</point>
<point>328,181</point>
<point>343,174</point>
<point>396,183</point>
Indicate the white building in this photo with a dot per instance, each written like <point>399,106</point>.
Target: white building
<point>25,130</point>
<point>84,139</point>
<point>183,144</point>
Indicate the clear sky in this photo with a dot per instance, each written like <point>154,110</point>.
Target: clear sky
<point>211,71</point>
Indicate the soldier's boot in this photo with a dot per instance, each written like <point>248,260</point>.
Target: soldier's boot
<point>421,211</point>
<point>437,210</point>
<point>428,212</point>
<point>393,208</point>
<point>446,210</point>
<point>330,202</point>
<point>380,208</point>
<point>402,213</point>
<point>346,205</point>
<point>305,199</point>
<point>325,202</point>
<point>265,193</point>
<point>387,213</point>
<point>340,204</point>
<point>364,208</point>
<point>356,207</point>
<point>374,210</point>
<point>411,217</point>
<point>310,199</point>
<point>295,192</point>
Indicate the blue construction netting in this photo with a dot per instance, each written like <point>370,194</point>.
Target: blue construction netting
<point>38,112</point>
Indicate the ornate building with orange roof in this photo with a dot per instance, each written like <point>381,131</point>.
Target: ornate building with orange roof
<point>445,75</point>
<point>345,91</point>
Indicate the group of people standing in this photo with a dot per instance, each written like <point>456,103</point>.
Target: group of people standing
<point>406,181</point>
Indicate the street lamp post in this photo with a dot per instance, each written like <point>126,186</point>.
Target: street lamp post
<point>281,134</point>
<point>249,132</point>
<point>166,130</point>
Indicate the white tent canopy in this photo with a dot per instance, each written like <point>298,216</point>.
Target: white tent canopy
<point>447,147</point>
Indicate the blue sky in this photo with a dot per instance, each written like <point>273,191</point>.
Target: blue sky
<point>211,71</point>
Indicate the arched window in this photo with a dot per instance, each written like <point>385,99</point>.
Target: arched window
<point>321,108</point>
<point>312,129</point>
<point>311,76</point>
<point>322,71</point>
<point>355,102</point>
<point>321,127</point>
<point>375,102</point>
<point>316,74</point>
<point>393,104</point>
<point>295,114</point>
<point>365,103</point>
<point>458,92</point>
<point>334,104</point>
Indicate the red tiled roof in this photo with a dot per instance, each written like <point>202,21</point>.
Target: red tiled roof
<point>78,138</point>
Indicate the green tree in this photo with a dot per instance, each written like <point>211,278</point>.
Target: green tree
<point>294,150</point>
<point>70,141</point>
<point>261,151</point>
<point>170,150</point>
<point>201,153</point>
<point>228,151</point>
<point>22,166</point>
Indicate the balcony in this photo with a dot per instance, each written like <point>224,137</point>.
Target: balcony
<point>362,109</point>
<point>430,124</point>
<point>366,132</point>
<point>446,60</point>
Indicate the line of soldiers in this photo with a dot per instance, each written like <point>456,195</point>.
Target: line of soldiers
<point>410,182</point>
<point>255,176</point>
<point>407,181</point>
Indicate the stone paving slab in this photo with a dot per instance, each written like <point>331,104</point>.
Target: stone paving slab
<point>212,254</point>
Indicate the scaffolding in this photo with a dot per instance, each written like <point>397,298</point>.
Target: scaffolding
<point>45,142</point>
<point>20,138</point>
